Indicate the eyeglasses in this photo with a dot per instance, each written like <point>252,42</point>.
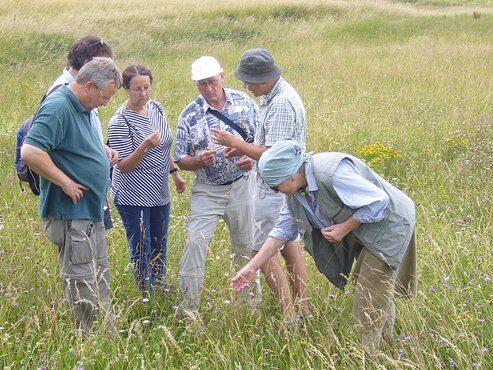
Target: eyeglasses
<point>205,83</point>
<point>138,90</point>
<point>275,189</point>
<point>97,42</point>
<point>105,98</point>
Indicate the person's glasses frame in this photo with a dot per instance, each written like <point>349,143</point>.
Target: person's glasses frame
<point>105,98</point>
<point>207,82</point>
<point>275,189</point>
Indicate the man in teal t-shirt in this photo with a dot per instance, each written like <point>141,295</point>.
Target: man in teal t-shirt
<point>67,153</point>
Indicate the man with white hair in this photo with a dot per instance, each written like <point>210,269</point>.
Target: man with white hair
<point>222,186</point>
<point>344,211</point>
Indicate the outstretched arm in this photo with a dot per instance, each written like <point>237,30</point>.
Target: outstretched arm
<point>226,138</point>
<point>246,275</point>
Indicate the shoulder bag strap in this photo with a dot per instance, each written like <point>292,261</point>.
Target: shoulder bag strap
<point>227,121</point>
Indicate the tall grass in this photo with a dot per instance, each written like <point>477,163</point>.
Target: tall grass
<point>414,76</point>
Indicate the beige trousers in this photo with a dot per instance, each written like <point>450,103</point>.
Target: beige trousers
<point>84,268</point>
<point>376,285</point>
<point>209,203</point>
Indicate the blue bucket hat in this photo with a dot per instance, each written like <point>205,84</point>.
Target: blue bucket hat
<point>280,162</point>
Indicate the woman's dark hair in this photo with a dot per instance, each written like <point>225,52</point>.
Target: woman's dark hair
<point>87,48</point>
<point>135,70</point>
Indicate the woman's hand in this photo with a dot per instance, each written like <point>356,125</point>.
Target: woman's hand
<point>337,232</point>
<point>152,140</point>
<point>179,182</point>
<point>243,278</point>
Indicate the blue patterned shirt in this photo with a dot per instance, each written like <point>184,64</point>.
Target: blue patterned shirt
<point>193,134</point>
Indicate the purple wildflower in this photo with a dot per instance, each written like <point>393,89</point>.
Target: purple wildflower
<point>400,353</point>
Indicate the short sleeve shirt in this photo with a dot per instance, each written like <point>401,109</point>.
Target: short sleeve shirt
<point>62,128</point>
<point>282,115</point>
<point>193,134</point>
<point>64,79</point>
<point>147,185</point>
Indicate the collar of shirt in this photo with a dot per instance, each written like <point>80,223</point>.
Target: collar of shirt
<point>67,75</point>
<point>310,178</point>
<point>264,99</point>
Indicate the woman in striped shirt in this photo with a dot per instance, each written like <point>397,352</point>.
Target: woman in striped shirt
<point>140,186</point>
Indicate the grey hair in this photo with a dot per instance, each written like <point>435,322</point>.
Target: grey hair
<point>100,71</point>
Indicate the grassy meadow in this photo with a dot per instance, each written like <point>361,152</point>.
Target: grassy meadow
<point>406,85</point>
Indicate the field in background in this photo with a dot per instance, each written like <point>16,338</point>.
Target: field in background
<point>407,85</point>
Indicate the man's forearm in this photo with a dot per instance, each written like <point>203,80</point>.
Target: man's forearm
<point>250,150</point>
<point>41,163</point>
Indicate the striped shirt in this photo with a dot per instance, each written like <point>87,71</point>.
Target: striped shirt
<point>147,185</point>
<point>282,115</point>
<point>193,134</point>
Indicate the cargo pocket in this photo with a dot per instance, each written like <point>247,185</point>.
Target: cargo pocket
<point>82,241</point>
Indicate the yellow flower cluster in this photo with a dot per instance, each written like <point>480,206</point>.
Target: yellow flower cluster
<point>454,145</point>
<point>377,153</point>
<point>457,140</point>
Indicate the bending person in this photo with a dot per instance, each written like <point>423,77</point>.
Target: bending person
<point>344,211</point>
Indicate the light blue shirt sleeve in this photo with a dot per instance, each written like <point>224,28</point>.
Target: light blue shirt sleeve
<point>285,228</point>
<point>368,200</point>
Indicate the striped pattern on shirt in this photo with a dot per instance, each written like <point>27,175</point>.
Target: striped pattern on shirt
<point>147,185</point>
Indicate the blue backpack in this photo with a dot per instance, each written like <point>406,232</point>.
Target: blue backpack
<point>24,172</point>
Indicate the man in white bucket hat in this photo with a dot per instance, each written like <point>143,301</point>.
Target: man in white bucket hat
<point>222,187</point>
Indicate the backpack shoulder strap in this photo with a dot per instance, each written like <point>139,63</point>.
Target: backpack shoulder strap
<point>55,88</point>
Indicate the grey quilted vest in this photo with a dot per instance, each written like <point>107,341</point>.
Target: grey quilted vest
<point>387,239</point>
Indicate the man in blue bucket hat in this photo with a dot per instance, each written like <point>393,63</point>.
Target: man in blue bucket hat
<point>282,115</point>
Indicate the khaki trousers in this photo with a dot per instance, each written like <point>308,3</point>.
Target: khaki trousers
<point>376,285</point>
<point>84,268</point>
